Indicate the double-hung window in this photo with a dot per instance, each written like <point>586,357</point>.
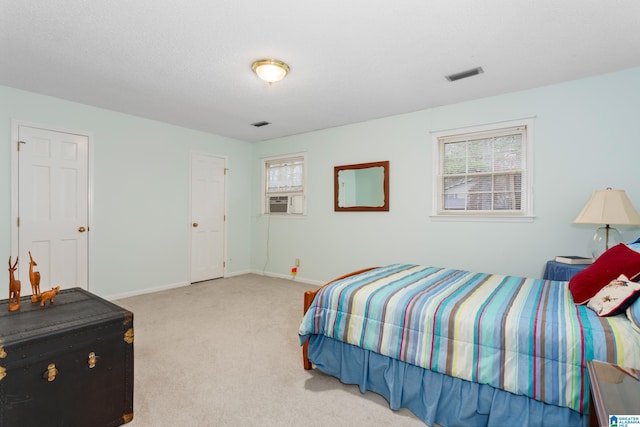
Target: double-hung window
<point>484,172</point>
<point>284,185</point>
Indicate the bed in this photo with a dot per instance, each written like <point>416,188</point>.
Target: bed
<point>463,348</point>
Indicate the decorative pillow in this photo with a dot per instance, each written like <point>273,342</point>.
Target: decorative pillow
<point>633,313</point>
<point>618,260</point>
<point>615,297</point>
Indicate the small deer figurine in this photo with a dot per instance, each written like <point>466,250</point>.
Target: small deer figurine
<point>14,287</point>
<point>34,277</point>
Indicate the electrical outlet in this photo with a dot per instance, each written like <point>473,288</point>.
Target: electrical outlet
<point>297,262</point>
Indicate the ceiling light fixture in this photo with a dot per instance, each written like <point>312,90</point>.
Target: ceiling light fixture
<point>270,70</point>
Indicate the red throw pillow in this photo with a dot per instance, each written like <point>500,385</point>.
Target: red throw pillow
<point>618,260</point>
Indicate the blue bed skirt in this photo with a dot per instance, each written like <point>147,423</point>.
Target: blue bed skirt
<point>434,397</point>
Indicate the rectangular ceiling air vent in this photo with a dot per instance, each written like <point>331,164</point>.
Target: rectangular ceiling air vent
<point>464,74</point>
<point>260,124</point>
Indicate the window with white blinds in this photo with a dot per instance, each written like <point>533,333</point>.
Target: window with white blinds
<point>285,175</point>
<point>284,189</point>
<point>484,171</point>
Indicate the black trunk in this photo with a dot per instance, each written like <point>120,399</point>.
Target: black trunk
<point>46,353</point>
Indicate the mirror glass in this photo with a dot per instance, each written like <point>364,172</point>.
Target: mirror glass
<point>362,187</point>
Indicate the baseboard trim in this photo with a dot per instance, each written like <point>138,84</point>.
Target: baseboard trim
<point>301,280</point>
<point>298,279</point>
<point>237,273</point>
<point>147,291</point>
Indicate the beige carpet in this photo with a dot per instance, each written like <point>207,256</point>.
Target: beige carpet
<point>226,353</point>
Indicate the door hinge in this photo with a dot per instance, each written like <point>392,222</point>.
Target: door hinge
<point>20,142</point>
<point>225,170</point>
<point>18,221</point>
<point>224,264</point>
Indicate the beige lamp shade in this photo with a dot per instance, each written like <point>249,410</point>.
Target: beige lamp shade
<point>609,207</point>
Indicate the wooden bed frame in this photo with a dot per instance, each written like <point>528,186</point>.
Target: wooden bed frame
<point>309,296</point>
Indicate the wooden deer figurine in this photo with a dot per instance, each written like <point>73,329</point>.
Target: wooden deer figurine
<point>14,287</point>
<point>49,296</point>
<point>34,277</point>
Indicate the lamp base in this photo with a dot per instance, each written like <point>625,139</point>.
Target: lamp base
<point>604,238</point>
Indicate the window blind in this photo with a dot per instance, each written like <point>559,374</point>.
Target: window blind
<point>483,171</point>
<point>285,175</point>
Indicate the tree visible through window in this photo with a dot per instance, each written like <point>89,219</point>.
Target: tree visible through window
<point>484,172</point>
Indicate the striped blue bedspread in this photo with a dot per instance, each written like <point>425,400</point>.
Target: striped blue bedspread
<point>522,335</point>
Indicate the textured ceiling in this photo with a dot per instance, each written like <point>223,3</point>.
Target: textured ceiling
<point>189,62</point>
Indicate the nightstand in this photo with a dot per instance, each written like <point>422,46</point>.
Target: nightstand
<point>560,271</point>
<point>614,391</point>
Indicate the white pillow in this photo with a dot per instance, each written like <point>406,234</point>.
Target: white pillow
<point>615,297</point>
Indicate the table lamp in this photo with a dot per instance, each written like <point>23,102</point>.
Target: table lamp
<point>607,207</point>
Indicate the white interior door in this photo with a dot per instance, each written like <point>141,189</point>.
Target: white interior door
<point>53,207</point>
<point>207,216</point>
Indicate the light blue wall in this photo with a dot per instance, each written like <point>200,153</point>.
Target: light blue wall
<point>586,138</point>
<point>140,228</point>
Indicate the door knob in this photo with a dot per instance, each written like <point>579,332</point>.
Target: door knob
<point>195,224</point>
<point>81,229</point>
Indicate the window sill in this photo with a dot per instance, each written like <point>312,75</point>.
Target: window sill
<point>481,218</point>
<point>283,215</point>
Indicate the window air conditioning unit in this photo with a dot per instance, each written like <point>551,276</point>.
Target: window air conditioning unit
<point>291,204</point>
<point>278,204</point>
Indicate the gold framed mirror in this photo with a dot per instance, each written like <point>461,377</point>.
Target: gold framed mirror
<point>361,187</point>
